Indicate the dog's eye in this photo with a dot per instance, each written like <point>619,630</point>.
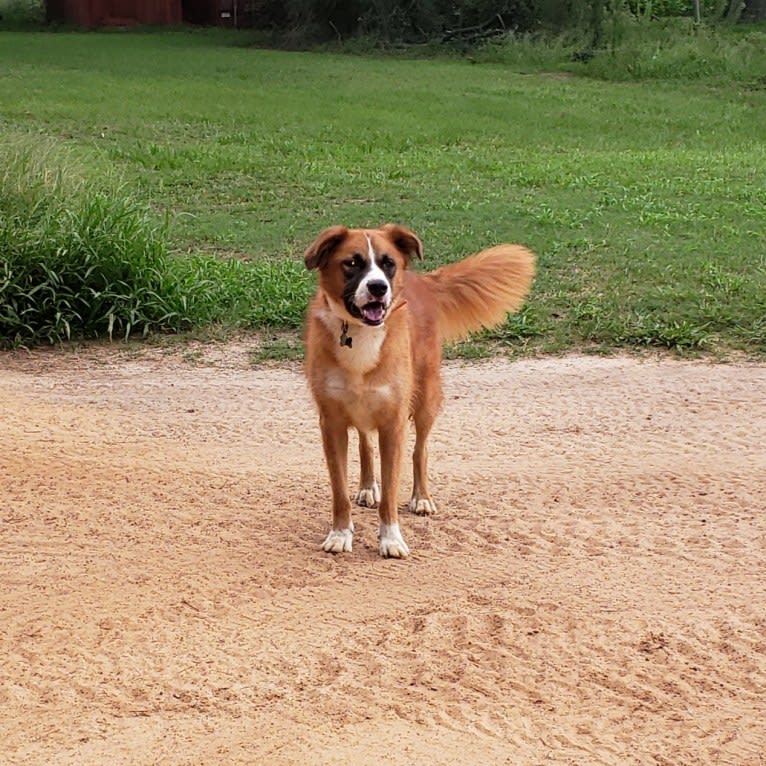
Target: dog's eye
<point>388,265</point>
<point>354,262</point>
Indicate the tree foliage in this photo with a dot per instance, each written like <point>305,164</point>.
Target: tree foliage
<point>466,21</point>
<point>398,20</point>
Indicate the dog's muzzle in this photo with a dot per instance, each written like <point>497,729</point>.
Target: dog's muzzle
<point>371,302</point>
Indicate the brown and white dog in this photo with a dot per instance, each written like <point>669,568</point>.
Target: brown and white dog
<point>374,335</point>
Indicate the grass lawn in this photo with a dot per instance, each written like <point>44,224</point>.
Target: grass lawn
<point>645,201</point>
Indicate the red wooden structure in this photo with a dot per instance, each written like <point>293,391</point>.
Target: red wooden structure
<point>100,13</point>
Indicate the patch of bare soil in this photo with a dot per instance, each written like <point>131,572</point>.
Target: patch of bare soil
<point>591,592</point>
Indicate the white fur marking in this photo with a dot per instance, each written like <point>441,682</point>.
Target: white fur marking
<point>384,392</point>
<point>369,497</point>
<point>422,506</point>
<point>374,274</point>
<point>392,543</point>
<point>339,540</point>
<point>335,385</point>
<point>367,342</point>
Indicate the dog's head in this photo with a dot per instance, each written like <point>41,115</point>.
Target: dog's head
<point>361,270</point>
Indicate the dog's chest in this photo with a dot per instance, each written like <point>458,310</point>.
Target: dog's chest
<point>365,402</point>
<point>358,347</point>
<point>354,381</point>
<point>360,352</point>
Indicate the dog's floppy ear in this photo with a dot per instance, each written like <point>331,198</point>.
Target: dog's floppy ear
<point>405,239</point>
<point>321,249</point>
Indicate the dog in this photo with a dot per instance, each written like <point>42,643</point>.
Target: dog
<point>373,337</point>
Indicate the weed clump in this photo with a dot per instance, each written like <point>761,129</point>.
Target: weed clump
<point>77,262</point>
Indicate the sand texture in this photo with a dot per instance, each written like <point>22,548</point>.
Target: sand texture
<point>592,590</point>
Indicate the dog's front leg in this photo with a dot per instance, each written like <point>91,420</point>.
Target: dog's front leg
<point>369,491</point>
<point>391,438</point>
<point>335,442</point>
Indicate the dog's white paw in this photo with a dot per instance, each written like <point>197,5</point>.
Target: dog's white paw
<point>369,497</point>
<point>422,506</point>
<point>392,543</point>
<point>339,540</point>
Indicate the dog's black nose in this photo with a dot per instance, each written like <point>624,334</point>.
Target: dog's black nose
<point>378,288</point>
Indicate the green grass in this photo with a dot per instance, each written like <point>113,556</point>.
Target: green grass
<point>75,261</point>
<point>645,201</point>
<point>637,49</point>
<point>85,262</point>
<point>276,348</point>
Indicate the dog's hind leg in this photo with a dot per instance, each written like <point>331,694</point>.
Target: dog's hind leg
<point>335,443</point>
<point>368,495</point>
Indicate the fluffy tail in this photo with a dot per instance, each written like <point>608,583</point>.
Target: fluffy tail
<point>480,290</point>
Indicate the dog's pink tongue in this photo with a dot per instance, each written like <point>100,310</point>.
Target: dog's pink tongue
<point>373,312</point>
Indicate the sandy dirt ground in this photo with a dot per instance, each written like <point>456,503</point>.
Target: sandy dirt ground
<point>592,591</point>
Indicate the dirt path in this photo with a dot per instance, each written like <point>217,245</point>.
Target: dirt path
<point>593,590</point>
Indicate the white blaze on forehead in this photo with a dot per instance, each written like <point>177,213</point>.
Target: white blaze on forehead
<point>374,274</point>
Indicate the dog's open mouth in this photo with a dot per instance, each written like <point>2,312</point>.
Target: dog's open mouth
<point>373,313</point>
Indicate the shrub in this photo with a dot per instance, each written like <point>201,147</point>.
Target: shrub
<point>75,262</point>
<point>84,262</point>
<point>675,49</point>
<point>397,20</point>
<point>263,293</point>
<point>664,49</point>
<point>17,14</point>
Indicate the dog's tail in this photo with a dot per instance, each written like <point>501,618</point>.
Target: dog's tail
<point>480,290</point>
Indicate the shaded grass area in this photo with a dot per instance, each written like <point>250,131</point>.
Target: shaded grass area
<point>644,202</point>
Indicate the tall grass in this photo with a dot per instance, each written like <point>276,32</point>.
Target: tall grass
<point>85,262</point>
<point>677,49</point>
<point>636,48</point>
<point>262,293</point>
<point>75,262</point>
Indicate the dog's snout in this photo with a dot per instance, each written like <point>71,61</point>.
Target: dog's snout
<point>377,288</point>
